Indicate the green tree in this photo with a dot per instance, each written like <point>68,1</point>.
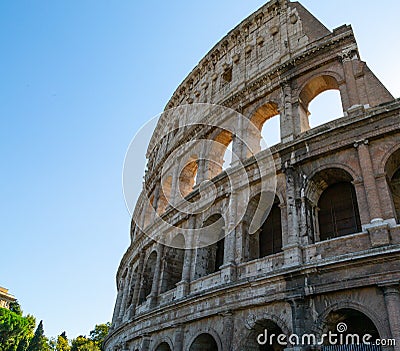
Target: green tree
<point>39,341</point>
<point>99,333</point>
<point>16,308</point>
<point>15,330</point>
<point>82,343</point>
<point>62,343</point>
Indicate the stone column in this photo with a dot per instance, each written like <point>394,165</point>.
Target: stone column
<point>378,230</point>
<point>135,298</point>
<point>156,278</point>
<point>228,269</point>
<point>125,295</point>
<point>228,331</point>
<point>292,250</point>
<point>392,301</point>
<point>201,170</point>
<point>183,287</point>
<point>117,305</point>
<point>367,171</point>
<point>351,84</point>
<point>178,338</point>
<point>289,121</point>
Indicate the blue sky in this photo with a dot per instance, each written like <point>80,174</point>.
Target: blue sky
<point>78,78</point>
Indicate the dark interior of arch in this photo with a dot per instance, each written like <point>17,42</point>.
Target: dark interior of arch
<point>338,211</point>
<point>356,322</point>
<point>211,257</point>
<point>270,240</point>
<point>163,347</point>
<point>204,342</point>
<point>172,269</point>
<point>147,280</point>
<point>251,344</point>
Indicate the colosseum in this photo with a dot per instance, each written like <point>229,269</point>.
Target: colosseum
<point>326,250</point>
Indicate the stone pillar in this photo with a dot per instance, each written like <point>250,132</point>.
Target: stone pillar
<point>290,124</point>
<point>392,301</point>
<point>156,278</point>
<point>367,171</point>
<point>183,287</point>
<point>145,343</point>
<point>135,298</point>
<point>201,171</point>
<point>228,331</point>
<point>351,84</point>
<point>292,250</point>
<point>228,269</point>
<point>125,295</point>
<point>178,338</point>
<point>117,305</point>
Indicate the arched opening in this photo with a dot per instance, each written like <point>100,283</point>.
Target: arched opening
<point>268,239</point>
<point>330,104</point>
<point>267,121</point>
<point>353,325</point>
<point>332,197</point>
<point>164,194</point>
<point>163,347</point>
<point>271,232</point>
<point>173,264</point>
<point>204,342</point>
<point>187,177</point>
<point>210,258</point>
<point>220,156</point>
<point>326,107</point>
<point>132,287</point>
<point>338,211</point>
<point>392,170</point>
<point>263,327</point>
<point>147,278</point>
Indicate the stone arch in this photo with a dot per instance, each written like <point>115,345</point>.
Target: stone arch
<point>257,326</point>
<point>200,340</point>
<point>164,195</point>
<point>187,176</point>
<point>173,263</point>
<point>333,199</point>
<point>164,344</point>
<point>256,245</point>
<point>314,86</point>
<point>209,258</point>
<point>261,115</point>
<point>392,171</point>
<point>321,323</point>
<point>147,277</point>
<point>222,139</point>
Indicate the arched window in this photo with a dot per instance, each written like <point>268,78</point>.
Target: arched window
<point>173,264</point>
<point>338,211</point>
<point>147,278</point>
<point>357,323</point>
<point>204,342</point>
<point>266,121</point>
<point>330,106</point>
<point>270,239</point>
<point>250,343</point>
<point>220,155</point>
<point>187,177</point>
<point>210,257</point>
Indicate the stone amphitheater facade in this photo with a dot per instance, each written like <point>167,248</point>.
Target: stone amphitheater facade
<point>328,250</point>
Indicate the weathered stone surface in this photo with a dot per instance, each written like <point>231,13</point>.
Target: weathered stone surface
<point>337,260</point>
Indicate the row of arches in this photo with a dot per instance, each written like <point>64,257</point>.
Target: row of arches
<point>332,211</point>
<point>266,119</point>
<point>263,336</point>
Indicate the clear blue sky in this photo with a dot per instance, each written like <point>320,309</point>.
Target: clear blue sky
<point>78,78</point>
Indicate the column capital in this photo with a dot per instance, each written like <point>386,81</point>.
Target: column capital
<point>361,142</point>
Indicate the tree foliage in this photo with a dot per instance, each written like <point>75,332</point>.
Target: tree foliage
<point>15,330</point>
<point>39,342</point>
<point>99,333</point>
